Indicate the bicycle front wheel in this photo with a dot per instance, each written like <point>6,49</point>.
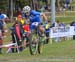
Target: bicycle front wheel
<point>41,44</point>
<point>33,44</point>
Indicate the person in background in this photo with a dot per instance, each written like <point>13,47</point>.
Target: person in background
<point>56,25</point>
<point>73,24</point>
<point>17,30</point>
<point>47,31</point>
<point>1,36</point>
<point>3,17</point>
<point>62,29</point>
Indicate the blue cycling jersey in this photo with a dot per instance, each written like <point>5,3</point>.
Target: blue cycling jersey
<point>34,16</point>
<point>33,12</point>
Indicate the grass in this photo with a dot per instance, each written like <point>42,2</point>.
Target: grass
<point>66,20</point>
<point>62,51</point>
<point>64,16</point>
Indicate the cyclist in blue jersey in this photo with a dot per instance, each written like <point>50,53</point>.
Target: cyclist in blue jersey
<point>33,16</point>
<point>2,24</point>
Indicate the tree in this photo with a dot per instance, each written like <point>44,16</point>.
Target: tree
<point>3,4</point>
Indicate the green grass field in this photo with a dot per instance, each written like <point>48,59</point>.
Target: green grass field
<point>63,51</point>
<point>57,52</point>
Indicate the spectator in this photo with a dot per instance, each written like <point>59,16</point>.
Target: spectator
<point>62,26</point>
<point>47,29</point>
<point>62,29</point>
<point>18,31</point>
<point>2,22</point>
<point>3,17</point>
<point>67,2</point>
<point>6,19</point>
<point>56,25</point>
<point>73,24</point>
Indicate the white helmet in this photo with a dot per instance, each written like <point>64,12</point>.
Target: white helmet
<point>26,9</point>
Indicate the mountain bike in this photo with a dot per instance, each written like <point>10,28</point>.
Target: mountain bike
<point>36,41</point>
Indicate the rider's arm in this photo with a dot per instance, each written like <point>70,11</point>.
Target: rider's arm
<point>33,12</point>
<point>38,13</point>
<point>44,16</point>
